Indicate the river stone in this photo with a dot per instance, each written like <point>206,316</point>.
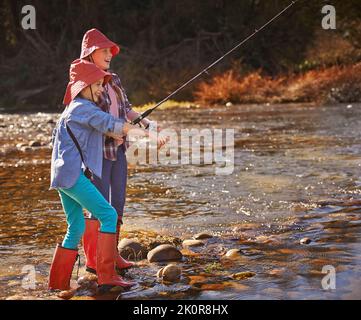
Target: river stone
<point>20,145</point>
<point>164,252</point>
<point>171,273</point>
<point>305,241</point>
<point>233,253</point>
<point>160,273</point>
<point>66,295</point>
<point>131,249</point>
<point>243,275</point>
<point>202,235</point>
<point>35,144</point>
<point>192,243</point>
<point>87,280</point>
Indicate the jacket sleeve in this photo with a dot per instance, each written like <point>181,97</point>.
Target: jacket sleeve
<point>88,114</point>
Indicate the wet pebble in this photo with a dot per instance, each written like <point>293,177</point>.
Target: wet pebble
<point>170,273</point>
<point>87,280</point>
<point>243,275</point>
<point>233,254</point>
<point>189,253</point>
<point>305,241</point>
<point>20,145</point>
<point>192,243</point>
<point>35,144</point>
<point>160,273</point>
<point>131,249</point>
<point>66,295</point>
<point>202,236</point>
<point>164,252</point>
<point>267,239</point>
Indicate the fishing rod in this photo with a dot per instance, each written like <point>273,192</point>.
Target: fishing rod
<point>149,111</point>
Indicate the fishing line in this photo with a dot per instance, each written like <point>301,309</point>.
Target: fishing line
<point>149,111</point>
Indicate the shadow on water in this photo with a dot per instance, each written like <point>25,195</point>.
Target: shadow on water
<point>296,175</point>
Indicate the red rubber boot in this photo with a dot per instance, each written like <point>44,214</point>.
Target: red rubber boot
<point>106,256</point>
<point>62,268</point>
<point>121,263</point>
<point>90,239</point>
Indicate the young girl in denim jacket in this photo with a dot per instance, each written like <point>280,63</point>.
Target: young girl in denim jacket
<point>88,123</point>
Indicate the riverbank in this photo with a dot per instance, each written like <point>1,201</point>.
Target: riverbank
<point>336,84</point>
<point>327,85</point>
<point>324,86</point>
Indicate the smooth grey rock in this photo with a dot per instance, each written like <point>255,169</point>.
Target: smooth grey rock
<point>305,241</point>
<point>202,235</point>
<point>164,252</point>
<point>132,249</point>
<point>171,273</point>
<point>35,144</point>
<point>192,243</point>
<point>233,254</point>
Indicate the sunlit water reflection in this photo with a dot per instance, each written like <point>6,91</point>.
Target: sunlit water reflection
<point>296,175</point>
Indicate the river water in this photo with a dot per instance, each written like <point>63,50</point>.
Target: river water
<point>296,175</point>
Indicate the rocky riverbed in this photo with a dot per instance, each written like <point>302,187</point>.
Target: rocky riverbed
<point>271,230</point>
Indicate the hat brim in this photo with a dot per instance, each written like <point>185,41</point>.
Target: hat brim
<point>114,48</point>
<point>74,88</point>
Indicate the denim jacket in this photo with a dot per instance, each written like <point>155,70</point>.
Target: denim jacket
<point>88,124</point>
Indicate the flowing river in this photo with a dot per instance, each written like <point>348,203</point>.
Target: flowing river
<point>296,175</point>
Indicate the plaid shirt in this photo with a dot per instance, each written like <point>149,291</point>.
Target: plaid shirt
<point>110,147</point>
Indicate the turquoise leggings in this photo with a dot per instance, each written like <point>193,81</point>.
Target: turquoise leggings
<point>85,195</point>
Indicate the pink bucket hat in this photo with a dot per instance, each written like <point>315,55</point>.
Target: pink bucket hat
<point>93,39</point>
<point>82,73</point>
